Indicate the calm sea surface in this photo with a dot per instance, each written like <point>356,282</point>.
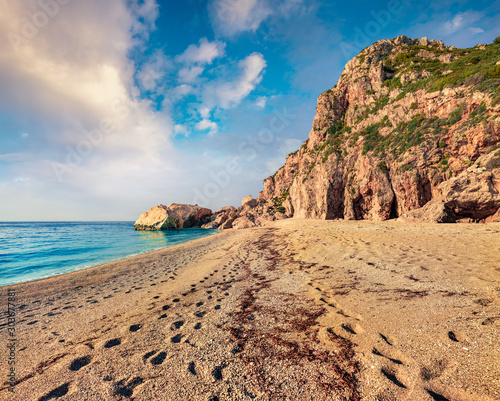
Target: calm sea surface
<point>30,251</point>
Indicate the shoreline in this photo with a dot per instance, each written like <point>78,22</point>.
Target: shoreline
<point>299,309</point>
<point>74,274</point>
<point>101,263</point>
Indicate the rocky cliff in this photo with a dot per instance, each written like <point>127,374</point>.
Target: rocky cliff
<point>411,129</point>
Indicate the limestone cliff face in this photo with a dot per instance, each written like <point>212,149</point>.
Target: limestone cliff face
<point>410,123</point>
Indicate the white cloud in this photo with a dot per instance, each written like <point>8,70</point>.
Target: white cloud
<point>181,91</point>
<point>455,23</point>
<point>204,112</point>
<point>152,73</point>
<point>230,17</point>
<point>261,102</point>
<point>226,88</point>
<point>181,129</point>
<point>205,53</point>
<point>189,74</point>
<point>476,30</point>
<point>231,93</point>
<point>206,124</point>
<point>145,13</point>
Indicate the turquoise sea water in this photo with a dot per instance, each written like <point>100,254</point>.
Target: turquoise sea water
<point>30,251</point>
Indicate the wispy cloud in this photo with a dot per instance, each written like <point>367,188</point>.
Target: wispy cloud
<point>461,21</point>
<point>261,102</point>
<point>230,17</point>
<point>206,124</point>
<point>204,53</point>
<point>223,87</point>
<point>228,94</point>
<point>462,29</point>
<point>189,74</point>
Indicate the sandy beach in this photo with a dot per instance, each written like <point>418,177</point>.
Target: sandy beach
<point>297,310</point>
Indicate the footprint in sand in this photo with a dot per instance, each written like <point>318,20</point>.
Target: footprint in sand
<point>135,327</point>
<point>197,326</point>
<point>148,355</point>
<point>217,372</point>
<point>79,363</point>
<point>56,393</point>
<point>191,368</point>
<point>112,343</point>
<point>128,389</point>
<point>177,325</point>
<point>158,359</point>
<point>176,339</point>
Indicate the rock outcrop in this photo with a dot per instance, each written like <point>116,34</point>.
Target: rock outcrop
<point>252,213</point>
<point>473,195</point>
<point>173,217</point>
<point>219,217</point>
<point>410,129</point>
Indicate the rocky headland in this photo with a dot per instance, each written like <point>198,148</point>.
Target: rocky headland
<point>411,129</point>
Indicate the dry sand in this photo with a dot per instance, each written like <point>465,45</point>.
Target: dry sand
<point>298,310</point>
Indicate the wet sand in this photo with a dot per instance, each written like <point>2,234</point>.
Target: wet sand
<point>297,310</point>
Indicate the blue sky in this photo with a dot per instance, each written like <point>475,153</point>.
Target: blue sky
<point>109,108</point>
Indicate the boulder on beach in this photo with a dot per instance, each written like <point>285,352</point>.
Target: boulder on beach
<point>173,217</point>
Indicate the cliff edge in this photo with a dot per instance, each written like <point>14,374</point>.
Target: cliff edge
<point>410,130</point>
